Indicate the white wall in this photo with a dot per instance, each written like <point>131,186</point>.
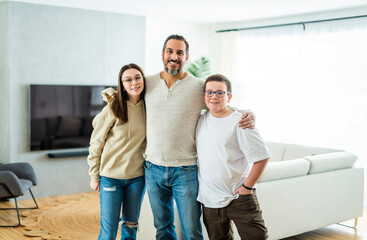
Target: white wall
<point>157,30</point>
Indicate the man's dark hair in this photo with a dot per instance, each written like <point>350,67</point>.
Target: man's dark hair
<point>219,78</point>
<point>176,37</point>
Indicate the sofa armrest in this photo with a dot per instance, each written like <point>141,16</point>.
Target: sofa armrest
<point>285,169</point>
<point>330,161</point>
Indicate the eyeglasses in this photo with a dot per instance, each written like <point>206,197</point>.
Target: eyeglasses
<point>130,80</point>
<point>219,93</point>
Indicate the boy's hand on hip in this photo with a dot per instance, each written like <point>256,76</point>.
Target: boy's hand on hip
<point>242,191</point>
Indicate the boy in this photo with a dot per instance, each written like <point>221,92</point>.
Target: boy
<point>230,160</point>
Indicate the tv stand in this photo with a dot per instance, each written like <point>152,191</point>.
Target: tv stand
<point>68,154</point>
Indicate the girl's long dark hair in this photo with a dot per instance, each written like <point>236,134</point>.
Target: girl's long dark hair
<point>118,104</point>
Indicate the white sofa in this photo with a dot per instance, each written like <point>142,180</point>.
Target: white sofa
<point>302,189</point>
<point>305,188</point>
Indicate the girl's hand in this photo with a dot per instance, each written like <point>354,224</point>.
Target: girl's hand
<point>94,185</point>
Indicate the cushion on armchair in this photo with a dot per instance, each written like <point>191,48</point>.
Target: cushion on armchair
<point>285,169</point>
<point>330,161</point>
<point>12,185</point>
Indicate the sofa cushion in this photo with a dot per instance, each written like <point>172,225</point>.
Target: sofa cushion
<point>277,151</point>
<point>330,161</point>
<point>285,169</point>
<point>299,151</point>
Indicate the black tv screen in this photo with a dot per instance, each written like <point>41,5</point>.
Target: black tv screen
<point>61,115</point>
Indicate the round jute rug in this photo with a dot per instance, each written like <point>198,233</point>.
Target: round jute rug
<point>71,217</point>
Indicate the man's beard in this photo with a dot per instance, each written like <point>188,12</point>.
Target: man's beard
<point>172,72</point>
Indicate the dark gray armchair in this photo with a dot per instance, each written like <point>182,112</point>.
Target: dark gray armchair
<point>15,180</point>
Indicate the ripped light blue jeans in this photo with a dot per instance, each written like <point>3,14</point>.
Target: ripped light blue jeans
<point>114,195</point>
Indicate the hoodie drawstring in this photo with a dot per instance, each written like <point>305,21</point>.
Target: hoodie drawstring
<point>128,132</point>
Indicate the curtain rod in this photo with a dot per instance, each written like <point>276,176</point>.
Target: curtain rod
<point>289,24</point>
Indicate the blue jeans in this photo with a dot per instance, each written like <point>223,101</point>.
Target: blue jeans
<point>181,184</point>
<point>114,195</point>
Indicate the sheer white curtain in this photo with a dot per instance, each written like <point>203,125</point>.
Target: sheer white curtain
<point>307,87</point>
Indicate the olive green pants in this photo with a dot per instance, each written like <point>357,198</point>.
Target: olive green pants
<point>246,214</point>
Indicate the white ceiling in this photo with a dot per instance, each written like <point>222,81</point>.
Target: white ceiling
<point>209,11</point>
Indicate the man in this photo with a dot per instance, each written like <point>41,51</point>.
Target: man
<point>231,161</point>
<point>174,99</point>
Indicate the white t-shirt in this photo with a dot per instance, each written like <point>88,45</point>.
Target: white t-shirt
<point>225,156</point>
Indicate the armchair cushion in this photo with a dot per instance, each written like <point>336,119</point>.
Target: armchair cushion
<point>10,185</point>
<point>22,170</point>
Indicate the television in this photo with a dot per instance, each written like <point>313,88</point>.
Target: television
<point>61,115</point>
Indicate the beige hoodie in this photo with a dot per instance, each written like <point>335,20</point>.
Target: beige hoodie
<point>116,148</point>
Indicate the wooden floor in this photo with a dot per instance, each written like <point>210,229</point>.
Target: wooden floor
<point>335,232</point>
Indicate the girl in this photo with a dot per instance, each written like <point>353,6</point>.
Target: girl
<point>115,154</point>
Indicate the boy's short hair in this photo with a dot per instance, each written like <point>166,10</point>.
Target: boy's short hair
<point>219,78</point>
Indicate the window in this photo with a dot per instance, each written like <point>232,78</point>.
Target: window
<point>307,87</point>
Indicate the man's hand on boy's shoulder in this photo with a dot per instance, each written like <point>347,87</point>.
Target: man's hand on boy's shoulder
<point>247,121</point>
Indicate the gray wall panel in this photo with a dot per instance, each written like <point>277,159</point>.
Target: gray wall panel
<point>4,89</point>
